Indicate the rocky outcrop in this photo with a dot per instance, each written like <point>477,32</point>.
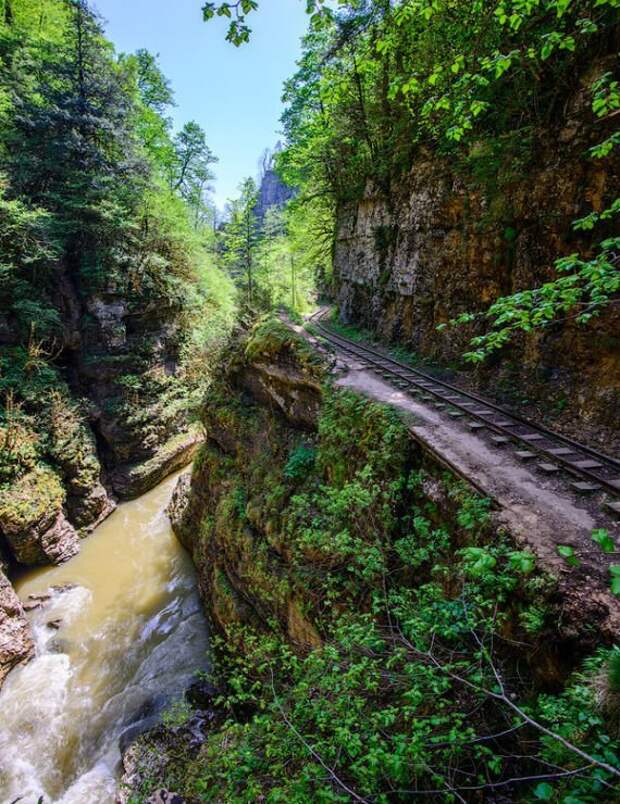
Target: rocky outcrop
<point>128,365</point>
<point>161,752</point>
<point>131,480</point>
<point>177,510</point>
<point>286,388</point>
<point>268,398</point>
<point>453,237</point>
<point>16,643</point>
<point>272,192</point>
<point>73,448</point>
<point>33,522</point>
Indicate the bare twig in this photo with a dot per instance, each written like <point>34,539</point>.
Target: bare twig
<point>311,750</point>
<point>504,698</point>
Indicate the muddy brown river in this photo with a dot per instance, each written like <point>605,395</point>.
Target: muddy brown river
<point>126,639</point>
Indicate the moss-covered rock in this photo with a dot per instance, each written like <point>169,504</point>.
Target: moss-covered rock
<point>32,519</point>
<point>72,446</point>
<point>282,370</point>
<point>131,480</point>
<point>50,473</point>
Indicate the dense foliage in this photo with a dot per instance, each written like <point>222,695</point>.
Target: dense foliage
<point>475,82</point>
<point>100,204</point>
<point>280,260</point>
<point>412,618</point>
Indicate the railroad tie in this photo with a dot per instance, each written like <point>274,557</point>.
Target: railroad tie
<point>614,507</point>
<point>548,468</point>
<point>586,464</point>
<point>585,488</point>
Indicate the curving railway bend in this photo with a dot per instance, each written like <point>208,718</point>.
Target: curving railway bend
<point>588,471</point>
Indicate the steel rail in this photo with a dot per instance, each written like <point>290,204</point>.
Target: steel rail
<point>426,383</point>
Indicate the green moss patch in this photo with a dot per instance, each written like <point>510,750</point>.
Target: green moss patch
<point>34,496</point>
<point>271,338</point>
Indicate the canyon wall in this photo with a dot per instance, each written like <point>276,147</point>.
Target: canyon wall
<point>265,408</point>
<point>453,236</point>
<point>107,419</point>
<point>98,415</point>
<point>127,363</point>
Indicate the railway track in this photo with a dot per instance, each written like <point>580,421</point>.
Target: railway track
<point>589,471</point>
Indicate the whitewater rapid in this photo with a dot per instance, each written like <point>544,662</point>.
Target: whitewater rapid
<point>121,637</point>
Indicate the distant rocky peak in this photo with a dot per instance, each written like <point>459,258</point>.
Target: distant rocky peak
<point>272,191</point>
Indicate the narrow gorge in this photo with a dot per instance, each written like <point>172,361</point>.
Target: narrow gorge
<point>309,489</point>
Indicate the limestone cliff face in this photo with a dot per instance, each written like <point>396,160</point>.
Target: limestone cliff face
<point>272,191</point>
<point>265,406</point>
<point>126,361</point>
<point>453,238</point>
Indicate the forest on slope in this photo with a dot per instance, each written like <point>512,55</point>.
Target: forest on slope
<point>117,285</point>
<point>105,273</point>
<point>377,637</point>
<point>379,634</point>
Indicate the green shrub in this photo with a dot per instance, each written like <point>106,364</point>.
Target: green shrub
<point>300,462</point>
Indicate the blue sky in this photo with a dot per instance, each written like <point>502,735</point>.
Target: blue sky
<point>233,93</point>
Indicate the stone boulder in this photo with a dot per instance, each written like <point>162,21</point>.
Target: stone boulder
<point>178,509</point>
<point>132,480</point>
<point>16,643</point>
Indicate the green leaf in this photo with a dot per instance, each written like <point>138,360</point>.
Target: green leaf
<point>543,791</point>
<point>478,561</point>
<point>614,571</point>
<point>568,554</point>
<point>522,561</point>
<point>604,540</point>
<point>208,11</point>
